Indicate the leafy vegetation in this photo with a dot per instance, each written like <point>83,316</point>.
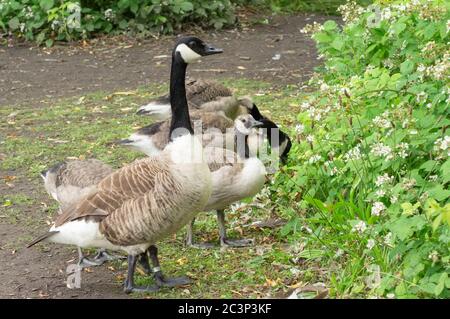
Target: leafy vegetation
<point>324,6</point>
<point>51,20</point>
<point>368,180</point>
<point>47,21</point>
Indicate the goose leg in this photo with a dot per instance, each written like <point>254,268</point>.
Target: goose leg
<point>129,281</point>
<point>102,256</point>
<point>143,262</point>
<point>161,280</point>
<point>224,241</point>
<point>85,262</point>
<point>190,237</point>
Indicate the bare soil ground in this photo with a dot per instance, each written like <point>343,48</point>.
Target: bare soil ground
<point>29,75</point>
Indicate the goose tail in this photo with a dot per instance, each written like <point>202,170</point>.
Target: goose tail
<point>42,237</point>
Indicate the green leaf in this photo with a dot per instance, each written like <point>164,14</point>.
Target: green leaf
<point>46,4</point>
<point>441,284</point>
<point>428,166</point>
<point>311,253</point>
<point>404,227</point>
<point>337,43</point>
<point>14,23</point>
<point>322,37</point>
<point>49,43</point>
<point>186,6</point>
<point>406,67</point>
<point>439,193</point>
<point>40,37</point>
<point>330,25</point>
<point>399,27</point>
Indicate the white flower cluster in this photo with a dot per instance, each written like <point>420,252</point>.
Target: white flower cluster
<point>109,14</point>
<point>402,150</point>
<point>383,179</point>
<point>316,114</point>
<point>388,63</point>
<point>353,154</point>
<point>350,11</point>
<point>439,71</point>
<point>28,12</point>
<point>377,208</point>
<point>55,24</point>
<point>299,128</point>
<point>383,120</point>
<point>360,227</point>
<point>312,28</point>
<point>388,239</point>
<point>441,145</point>
<point>314,159</point>
<point>381,150</point>
<point>409,183</point>
<point>74,19</point>
<point>370,244</point>
<point>333,170</point>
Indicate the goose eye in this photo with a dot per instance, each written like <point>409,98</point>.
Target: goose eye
<point>191,44</point>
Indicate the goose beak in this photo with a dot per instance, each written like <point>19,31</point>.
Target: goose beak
<point>258,124</point>
<point>123,142</point>
<point>210,50</point>
<point>141,112</point>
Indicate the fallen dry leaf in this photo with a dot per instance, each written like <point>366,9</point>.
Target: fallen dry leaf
<point>9,178</point>
<point>182,261</point>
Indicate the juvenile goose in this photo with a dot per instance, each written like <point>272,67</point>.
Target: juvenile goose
<point>70,181</point>
<point>235,176</point>
<point>202,95</point>
<point>143,202</point>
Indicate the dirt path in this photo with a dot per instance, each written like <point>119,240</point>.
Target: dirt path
<point>29,75</point>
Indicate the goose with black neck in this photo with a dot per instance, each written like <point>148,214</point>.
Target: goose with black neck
<point>143,202</point>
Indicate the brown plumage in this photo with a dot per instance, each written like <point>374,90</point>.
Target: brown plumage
<point>152,139</point>
<point>140,202</point>
<point>70,181</point>
<point>202,96</point>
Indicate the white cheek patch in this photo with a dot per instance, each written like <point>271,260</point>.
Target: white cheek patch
<point>187,53</point>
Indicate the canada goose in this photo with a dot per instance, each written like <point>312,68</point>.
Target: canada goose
<point>227,165</point>
<point>202,95</point>
<point>283,144</point>
<point>151,198</point>
<point>69,182</point>
<point>152,139</point>
<point>235,176</point>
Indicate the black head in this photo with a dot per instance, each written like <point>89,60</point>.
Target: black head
<point>285,146</point>
<point>191,49</point>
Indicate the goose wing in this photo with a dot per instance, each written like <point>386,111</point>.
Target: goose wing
<point>199,92</point>
<point>130,183</point>
<point>70,181</point>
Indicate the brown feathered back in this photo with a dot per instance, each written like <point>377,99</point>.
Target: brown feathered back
<point>70,181</point>
<point>199,92</point>
<point>142,202</point>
